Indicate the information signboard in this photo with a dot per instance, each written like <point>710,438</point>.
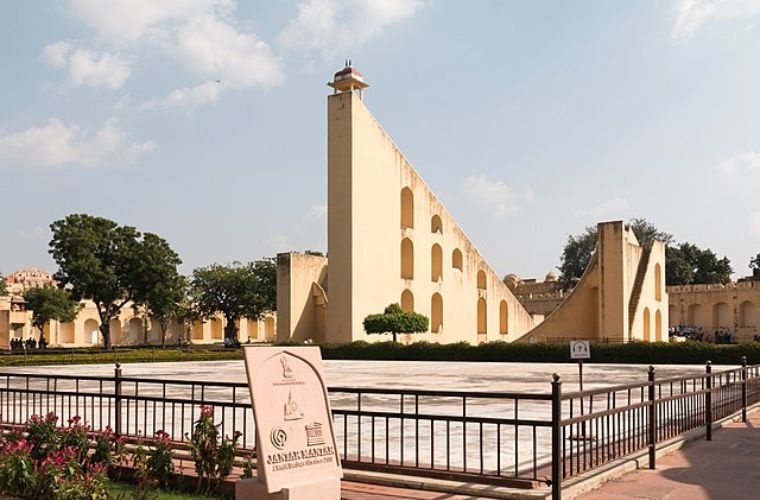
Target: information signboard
<point>580,349</point>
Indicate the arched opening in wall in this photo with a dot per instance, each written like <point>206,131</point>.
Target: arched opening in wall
<point>722,316</point>
<point>672,315</point>
<point>436,225</point>
<point>436,263</point>
<point>503,318</point>
<point>269,328</point>
<point>66,333</point>
<point>436,313</point>
<point>407,301</point>
<point>91,332</point>
<point>407,208</point>
<point>135,330</point>
<point>217,332</point>
<point>658,326</point>
<point>695,315</point>
<point>407,259</point>
<point>253,329</point>
<point>482,319</point>
<point>114,329</point>
<point>456,259</point>
<point>657,282</point>
<point>481,280</point>
<point>196,331</point>
<point>747,314</point>
<point>647,325</point>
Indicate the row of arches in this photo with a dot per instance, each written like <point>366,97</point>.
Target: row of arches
<point>436,260</point>
<point>407,213</point>
<point>133,331</point>
<point>721,315</point>
<point>436,312</point>
<point>647,319</point>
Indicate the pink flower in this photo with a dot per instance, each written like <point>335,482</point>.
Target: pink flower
<point>207,411</point>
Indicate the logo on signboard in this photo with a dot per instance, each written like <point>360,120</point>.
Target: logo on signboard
<point>292,410</point>
<point>580,349</point>
<point>314,435</point>
<point>279,437</point>
<point>287,371</point>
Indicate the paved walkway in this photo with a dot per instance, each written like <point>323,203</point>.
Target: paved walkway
<point>728,467</point>
<point>361,491</point>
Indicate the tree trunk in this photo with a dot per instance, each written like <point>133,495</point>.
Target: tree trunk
<point>163,335</point>
<point>42,334</point>
<point>230,331</point>
<point>105,331</point>
<point>394,336</point>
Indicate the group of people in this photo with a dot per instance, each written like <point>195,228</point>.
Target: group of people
<point>718,336</point>
<point>28,344</point>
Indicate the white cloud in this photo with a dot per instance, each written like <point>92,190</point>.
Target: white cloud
<point>332,26</point>
<point>56,143</point>
<point>495,195</point>
<point>316,212</point>
<point>205,93</point>
<point>609,207</point>
<point>86,67</point>
<point>216,49</point>
<point>741,163</point>
<point>691,15</point>
<point>120,21</point>
<point>56,54</point>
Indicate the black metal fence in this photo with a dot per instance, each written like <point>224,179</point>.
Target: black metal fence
<point>516,439</point>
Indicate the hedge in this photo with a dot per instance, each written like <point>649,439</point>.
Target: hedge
<point>660,353</point>
<point>635,352</point>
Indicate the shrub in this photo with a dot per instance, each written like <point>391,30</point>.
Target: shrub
<point>394,321</point>
<point>76,436</point>
<point>213,459</point>
<point>17,468</point>
<point>160,463</point>
<point>42,434</point>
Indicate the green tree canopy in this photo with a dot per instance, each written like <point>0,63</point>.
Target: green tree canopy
<point>236,290</point>
<point>395,320</point>
<point>754,264</point>
<point>685,263</point>
<point>3,286</point>
<point>158,286</point>
<point>50,303</point>
<point>107,263</point>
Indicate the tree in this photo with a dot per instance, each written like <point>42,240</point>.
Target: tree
<point>578,250</point>
<point>710,269</point>
<point>237,291</point>
<point>394,320</point>
<point>50,303</point>
<point>158,286</point>
<point>3,286</point>
<point>678,268</point>
<point>104,262</point>
<point>576,257</point>
<point>754,264</point>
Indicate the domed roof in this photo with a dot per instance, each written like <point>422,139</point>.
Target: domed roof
<point>512,280</point>
<point>349,72</point>
<point>550,276</point>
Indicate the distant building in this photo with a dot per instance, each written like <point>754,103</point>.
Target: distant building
<point>130,328</point>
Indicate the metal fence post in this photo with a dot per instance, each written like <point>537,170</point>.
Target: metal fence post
<point>708,401</point>
<point>117,399</point>
<point>744,388</point>
<point>652,434</point>
<point>556,437</point>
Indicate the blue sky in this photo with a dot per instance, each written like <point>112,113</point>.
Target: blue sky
<point>530,119</point>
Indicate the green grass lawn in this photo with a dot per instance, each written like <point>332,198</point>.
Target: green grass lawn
<point>122,490</point>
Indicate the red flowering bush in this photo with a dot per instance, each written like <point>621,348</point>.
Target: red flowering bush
<point>213,459</point>
<point>160,464</point>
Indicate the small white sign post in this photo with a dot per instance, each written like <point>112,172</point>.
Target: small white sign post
<point>580,350</point>
<point>296,452</point>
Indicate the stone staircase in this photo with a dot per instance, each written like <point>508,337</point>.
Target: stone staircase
<point>638,282</point>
